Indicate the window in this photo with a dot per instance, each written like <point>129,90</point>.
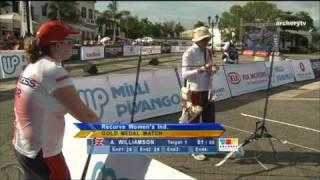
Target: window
<point>84,12</point>
<point>90,14</point>
<point>15,6</point>
<point>44,9</point>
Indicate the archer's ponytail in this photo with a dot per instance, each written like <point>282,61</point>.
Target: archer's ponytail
<point>31,49</point>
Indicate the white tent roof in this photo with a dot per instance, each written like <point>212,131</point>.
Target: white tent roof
<point>81,27</point>
<point>12,17</point>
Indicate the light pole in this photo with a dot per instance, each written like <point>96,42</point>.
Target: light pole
<point>212,23</point>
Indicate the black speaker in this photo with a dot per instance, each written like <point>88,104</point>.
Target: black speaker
<point>90,68</point>
<point>154,61</point>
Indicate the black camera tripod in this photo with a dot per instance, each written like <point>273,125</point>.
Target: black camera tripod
<point>261,130</point>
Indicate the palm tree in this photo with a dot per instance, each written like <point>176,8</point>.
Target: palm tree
<point>198,24</point>
<point>63,11</point>
<point>168,28</point>
<point>178,29</point>
<point>114,16</point>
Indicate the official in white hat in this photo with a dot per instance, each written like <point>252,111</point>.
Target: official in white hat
<point>201,33</point>
<point>197,71</point>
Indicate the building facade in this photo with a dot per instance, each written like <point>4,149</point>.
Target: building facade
<point>85,9</point>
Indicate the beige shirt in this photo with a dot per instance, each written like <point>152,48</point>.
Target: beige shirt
<point>192,59</point>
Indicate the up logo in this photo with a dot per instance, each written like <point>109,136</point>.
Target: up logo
<point>96,99</point>
<point>10,63</point>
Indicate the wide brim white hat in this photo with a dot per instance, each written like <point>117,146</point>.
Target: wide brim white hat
<point>201,33</point>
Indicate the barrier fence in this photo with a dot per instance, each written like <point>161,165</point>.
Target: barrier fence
<point>110,96</point>
<point>158,93</point>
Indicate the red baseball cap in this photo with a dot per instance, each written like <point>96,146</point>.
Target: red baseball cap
<point>53,31</point>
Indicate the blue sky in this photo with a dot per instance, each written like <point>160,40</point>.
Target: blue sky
<point>189,12</point>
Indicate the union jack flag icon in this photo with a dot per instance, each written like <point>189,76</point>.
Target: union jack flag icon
<point>99,142</point>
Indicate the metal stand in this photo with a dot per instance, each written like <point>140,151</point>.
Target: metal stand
<point>136,86</point>
<point>85,169</point>
<point>261,130</point>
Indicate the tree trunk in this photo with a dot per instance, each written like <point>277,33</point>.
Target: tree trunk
<point>114,33</point>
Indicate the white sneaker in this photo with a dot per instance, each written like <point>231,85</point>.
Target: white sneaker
<point>199,157</point>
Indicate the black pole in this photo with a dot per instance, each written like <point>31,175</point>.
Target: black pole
<point>28,17</point>
<point>136,87</point>
<point>86,166</point>
<point>268,90</point>
<point>212,38</point>
<point>178,77</point>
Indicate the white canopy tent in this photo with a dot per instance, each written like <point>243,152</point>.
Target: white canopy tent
<point>10,23</point>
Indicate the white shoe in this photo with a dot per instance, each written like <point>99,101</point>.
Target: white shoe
<point>199,157</point>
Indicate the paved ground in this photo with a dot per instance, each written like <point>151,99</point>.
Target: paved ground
<point>293,115</point>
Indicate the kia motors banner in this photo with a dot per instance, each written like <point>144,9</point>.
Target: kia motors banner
<point>302,69</point>
<point>246,78</point>
<point>111,96</point>
<point>104,166</point>
<point>11,63</point>
<point>315,64</point>
<point>113,51</point>
<point>131,50</point>
<point>282,73</point>
<point>145,50</point>
<point>92,52</point>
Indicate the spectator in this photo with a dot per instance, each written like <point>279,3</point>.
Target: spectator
<point>230,52</point>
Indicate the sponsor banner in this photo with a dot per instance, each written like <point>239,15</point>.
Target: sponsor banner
<point>92,52</point>
<point>165,49</point>
<point>111,96</point>
<point>282,73</point>
<point>246,78</point>
<point>113,51</point>
<point>145,50</point>
<point>131,50</point>
<point>315,64</point>
<point>177,49</point>
<point>11,63</point>
<point>302,69</point>
<point>104,166</point>
<point>220,85</point>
